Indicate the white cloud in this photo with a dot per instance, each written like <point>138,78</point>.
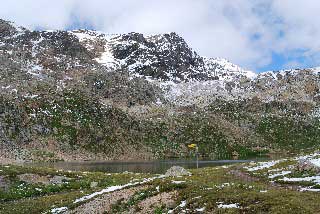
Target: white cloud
<point>246,32</point>
<point>34,13</point>
<point>292,64</point>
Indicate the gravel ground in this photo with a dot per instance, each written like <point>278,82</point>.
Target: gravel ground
<point>149,204</point>
<point>103,203</point>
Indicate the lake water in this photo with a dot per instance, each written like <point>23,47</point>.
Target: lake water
<point>158,166</point>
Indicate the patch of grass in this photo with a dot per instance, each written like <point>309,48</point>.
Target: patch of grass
<point>159,210</point>
<point>290,133</point>
<point>40,204</point>
<point>19,191</point>
<point>210,186</point>
<point>301,174</point>
<point>206,188</point>
<point>297,183</point>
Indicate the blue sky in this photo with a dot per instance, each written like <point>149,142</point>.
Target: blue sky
<point>282,61</point>
<point>259,35</point>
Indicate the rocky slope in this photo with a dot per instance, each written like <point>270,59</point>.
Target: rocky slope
<point>87,95</point>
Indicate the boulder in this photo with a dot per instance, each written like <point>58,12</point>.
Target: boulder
<point>30,178</point>
<point>4,183</point>
<point>306,165</point>
<point>35,179</point>
<point>93,184</point>
<point>57,179</point>
<point>177,171</point>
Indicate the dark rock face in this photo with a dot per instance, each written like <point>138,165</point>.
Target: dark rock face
<point>65,44</point>
<point>122,51</point>
<point>6,29</point>
<point>37,45</point>
<point>163,57</point>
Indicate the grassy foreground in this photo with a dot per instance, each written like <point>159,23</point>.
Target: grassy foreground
<point>239,188</point>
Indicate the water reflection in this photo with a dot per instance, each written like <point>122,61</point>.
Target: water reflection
<point>158,166</point>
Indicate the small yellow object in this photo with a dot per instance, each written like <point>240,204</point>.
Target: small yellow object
<point>192,146</point>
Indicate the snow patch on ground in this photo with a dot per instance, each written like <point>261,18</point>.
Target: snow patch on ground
<point>263,165</point>
<point>316,162</point>
<point>228,206</point>
<point>315,179</point>
<point>114,188</point>
<point>200,209</point>
<point>183,204</point>
<point>309,189</point>
<point>59,210</point>
<point>280,174</point>
<point>308,157</point>
<point>283,173</point>
<point>31,96</point>
<point>106,190</point>
<point>178,182</point>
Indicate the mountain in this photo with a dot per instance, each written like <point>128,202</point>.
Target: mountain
<point>84,94</point>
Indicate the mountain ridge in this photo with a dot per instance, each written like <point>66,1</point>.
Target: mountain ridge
<point>86,95</point>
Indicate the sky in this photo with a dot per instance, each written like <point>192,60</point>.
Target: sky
<point>259,35</point>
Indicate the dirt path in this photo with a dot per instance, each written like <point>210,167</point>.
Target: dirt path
<point>104,203</point>
<point>149,204</point>
<point>243,175</point>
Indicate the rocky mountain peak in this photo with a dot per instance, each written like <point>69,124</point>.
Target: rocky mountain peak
<point>163,58</point>
<point>9,28</point>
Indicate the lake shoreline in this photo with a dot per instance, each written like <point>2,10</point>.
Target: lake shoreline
<point>250,187</point>
<point>138,166</point>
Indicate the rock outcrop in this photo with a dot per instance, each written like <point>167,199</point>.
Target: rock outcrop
<point>177,171</point>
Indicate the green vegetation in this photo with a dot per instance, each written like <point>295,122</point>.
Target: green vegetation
<point>34,190</point>
<point>75,119</point>
<point>224,189</point>
<point>290,133</point>
<point>40,204</point>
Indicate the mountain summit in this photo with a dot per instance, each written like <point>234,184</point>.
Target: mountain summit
<point>165,57</point>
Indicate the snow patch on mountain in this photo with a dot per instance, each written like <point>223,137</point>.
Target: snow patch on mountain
<point>108,59</point>
<point>168,61</point>
<point>226,70</point>
<point>200,80</point>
